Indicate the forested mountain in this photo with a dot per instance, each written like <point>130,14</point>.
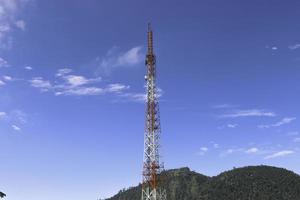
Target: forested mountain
<point>257,183</point>
<point>248,183</point>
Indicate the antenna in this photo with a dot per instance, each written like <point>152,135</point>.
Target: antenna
<point>152,185</point>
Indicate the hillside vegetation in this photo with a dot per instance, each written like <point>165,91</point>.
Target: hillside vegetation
<point>248,183</point>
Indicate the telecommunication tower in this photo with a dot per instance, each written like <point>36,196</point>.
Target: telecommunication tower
<point>153,182</point>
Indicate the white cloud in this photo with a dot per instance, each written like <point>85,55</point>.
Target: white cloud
<point>294,47</point>
<point>232,125</point>
<point>39,82</point>
<point>69,84</point>
<point>2,115</point>
<point>251,150</point>
<point>63,71</point>
<point>114,59</point>
<point>284,121</point>
<point>3,62</point>
<point>75,80</point>
<point>203,151</point>
<point>224,106</point>
<point>229,151</point>
<point>135,97</point>
<point>14,116</point>
<point>249,113</point>
<point>9,10</point>
<point>131,57</point>
<point>274,48</point>
<point>21,24</point>
<point>72,86</point>
<point>7,78</point>
<point>28,68</point>
<point>17,117</point>
<point>16,128</point>
<point>280,154</point>
<point>76,84</point>
<point>81,91</point>
<point>117,87</point>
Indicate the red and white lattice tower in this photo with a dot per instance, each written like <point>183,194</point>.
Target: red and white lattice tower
<point>153,187</point>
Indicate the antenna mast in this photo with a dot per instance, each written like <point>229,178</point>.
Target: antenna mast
<point>153,185</point>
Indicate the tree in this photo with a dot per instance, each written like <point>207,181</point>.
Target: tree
<point>2,195</point>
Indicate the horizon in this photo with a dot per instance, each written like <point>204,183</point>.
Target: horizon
<point>72,95</point>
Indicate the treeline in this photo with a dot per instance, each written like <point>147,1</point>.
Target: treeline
<point>248,183</point>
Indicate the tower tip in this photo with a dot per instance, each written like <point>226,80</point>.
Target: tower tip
<point>149,26</point>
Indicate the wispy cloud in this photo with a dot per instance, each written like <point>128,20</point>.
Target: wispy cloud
<point>284,121</point>
<point>224,106</point>
<point>2,115</point>
<point>39,82</point>
<point>231,151</point>
<point>68,84</point>
<point>294,46</point>
<point>3,62</point>
<point>2,83</point>
<point>131,57</point>
<point>21,24</point>
<point>29,68</point>
<point>274,48</point>
<point>138,97</point>
<point>280,154</point>
<point>248,113</point>
<point>63,72</point>
<point>117,87</point>
<point>16,128</point>
<point>81,91</point>
<point>252,150</point>
<point>15,117</point>
<point>134,97</point>
<point>75,80</point>
<point>115,58</point>
<point>232,125</point>
<point>215,145</point>
<point>9,12</point>
<point>7,78</point>
<point>203,151</point>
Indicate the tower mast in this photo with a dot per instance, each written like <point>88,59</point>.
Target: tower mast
<point>152,186</point>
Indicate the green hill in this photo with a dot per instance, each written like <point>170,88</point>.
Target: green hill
<point>181,184</point>
<point>248,183</point>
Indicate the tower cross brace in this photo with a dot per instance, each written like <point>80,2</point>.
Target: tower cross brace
<point>153,187</point>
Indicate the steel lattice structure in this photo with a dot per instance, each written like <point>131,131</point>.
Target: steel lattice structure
<point>153,184</point>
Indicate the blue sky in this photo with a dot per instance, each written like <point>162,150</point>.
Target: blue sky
<point>72,88</point>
